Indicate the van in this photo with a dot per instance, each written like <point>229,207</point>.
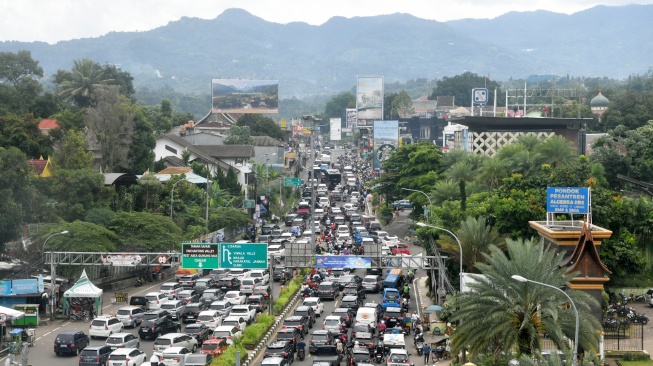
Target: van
<point>393,281</point>
<point>366,316</point>
<point>391,297</point>
<point>375,225</point>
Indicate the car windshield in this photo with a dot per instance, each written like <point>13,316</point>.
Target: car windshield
<point>89,352</point>
<point>192,330</point>
<point>239,311</point>
<point>98,323</point>
<point>209,346</point>
<point>162,342</point>
<point>325,287</point>
<point>369,280</point>
<point>218,306</point>
<point>285,335</point>
<point>208,295</point>
<point>192,309</point>
<point>398,358</point>
<point>311,303</point>
<point>349,302</point>
<point>168,306</point>
<point>118,357</point>
<point>292,323</point>
<point>167,287</point>
<point>233,323</point>
<point>150,316</point>
<point>231,296</point>
<point>201,283</point>
<point>124,312</point>
<point>332,322</point>
<point>319,337</point>
<point>392,295</point>
<point>222,334</point>
<point>152,298</point>
<point>393,312</point>
<point>205,318</point>
<point>115,340</point>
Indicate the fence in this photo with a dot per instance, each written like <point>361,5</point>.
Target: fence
<point>622,337</point>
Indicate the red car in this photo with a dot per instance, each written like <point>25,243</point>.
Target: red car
<point>400,249</point>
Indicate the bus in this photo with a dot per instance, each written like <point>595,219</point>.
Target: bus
<point>334,178</point>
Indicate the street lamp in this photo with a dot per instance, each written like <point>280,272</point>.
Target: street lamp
<point>52,280</point>
<point>460,247</point>
<point>427,196</point>
<point>525,280</point>
<point>172,195</point>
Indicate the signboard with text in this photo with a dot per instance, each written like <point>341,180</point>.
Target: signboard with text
<point>571,200</point>
<point>199,255</point>
<point>245,255</point>
<point>340,261</point>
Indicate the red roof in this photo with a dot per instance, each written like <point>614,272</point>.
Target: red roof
<point>48,124</point>
<point>38,164</point>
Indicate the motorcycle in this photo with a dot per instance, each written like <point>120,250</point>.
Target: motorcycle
<point>420,347</point>
<point>139,282</point>
<point>378,357</point>
<point>301,354</point>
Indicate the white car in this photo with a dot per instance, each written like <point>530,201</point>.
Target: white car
<point>342,229</point>
<point>227,332</point>
<point>235,297</point>
<point>171,289</point>
<point>333,323</point>
<point>390,240</point>
<point>211,318</point>
<point>239,273</point>
<point>155,299</point>
<point>170,340</point>
<point>276,250</point>
<point>174,356</point>
<point>247,285</point>
<point>398,357</point>
<point>122,340</point>
<point>316,303</point>
<point>261,274</point>
<point>324,202</point>
<point>105,326</point>
<point>126,357</point>
<point>235,321</point>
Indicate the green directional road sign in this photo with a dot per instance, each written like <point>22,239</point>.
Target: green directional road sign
<point>199,255</point>
<point>249,204</point>
<point>245,255</point>
<point>290,182</point>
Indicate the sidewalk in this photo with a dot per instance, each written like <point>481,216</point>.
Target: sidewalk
<point>424,302</point>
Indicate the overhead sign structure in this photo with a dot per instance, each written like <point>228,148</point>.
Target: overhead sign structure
<point>122,260</point>
<point>479,95</point>
<point>199,255</point>
<point>571,200</point>
<point>245,255</point>
<point>292,182</point>
<point>340,261</point>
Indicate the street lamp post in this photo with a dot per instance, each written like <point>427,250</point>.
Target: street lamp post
<point>52,280</point>
<point>526,280</point>
<point>460,248</point>
<point>172,195</point>
<point>427,196</point>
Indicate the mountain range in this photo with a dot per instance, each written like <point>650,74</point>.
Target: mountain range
<point>309,60</point>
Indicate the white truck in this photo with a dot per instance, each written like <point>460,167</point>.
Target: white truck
<point>393,341</point>
<point>248,312</point>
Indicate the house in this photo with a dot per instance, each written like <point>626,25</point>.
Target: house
<point>47,124</point>
<point>42,168</point>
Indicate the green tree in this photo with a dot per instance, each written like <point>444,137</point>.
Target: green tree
<point>16,191</point>
<point>73,153</point>
<point>492,171</point>
<point>144,231</point>
<point>336,106</point>
<point>415,166</point>
<point>403,104</point>
<point>73,192</point>
<point>261,126</point>
<point>24,134</point>
<point>476,237</point>
<point>19,88</point>
<point>82,236</point>
<point>501,315</point>
<point>227,217</point>
<point>556,151</point>
<point>460,86</point>
<point>239,135</point>
<point>150,187</point>
<point>79,84</point>
<point>141,147</point>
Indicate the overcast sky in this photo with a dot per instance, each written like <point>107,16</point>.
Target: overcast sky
<point>56,20</point>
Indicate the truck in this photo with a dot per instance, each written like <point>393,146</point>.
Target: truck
<point>248,312</point>
<point>303,209</point>
<point>327,354</point>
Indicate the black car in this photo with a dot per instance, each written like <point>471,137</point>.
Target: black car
<point>95,356</point>
<point>210,296</point>
<point>346,313</point>
<point>71,342</point>
<point>320,338</point>
<point>353,289</point>
<point>260,302</point>
<point>328,290</point>
<point>278,272</point>
<point>392,316</point>
<point>229,284</point>
<point>155,327</point>
<point>351,302</point>
<point>308,312</point>
<point>191,312</point>
<point>359,355</point>
<point>284,349</point>
<point>297,321</point>
<point>200,331</point>
<point>347,279</point>
<point>289,334</point>
<point>267,228</point>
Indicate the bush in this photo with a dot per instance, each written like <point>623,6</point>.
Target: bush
<point>286,294</point>
<point>228,357</point>
<point>255,332</point>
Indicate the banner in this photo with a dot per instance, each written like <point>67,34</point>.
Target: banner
<point>24,286</point>
<point>351,117</point>
<point>245,96</point>
<point>342,261</point>
<point>369,98</point>
<point>386,141</point>
<point>567,200</point>
<point>5,287</point>
<point>336,129</point>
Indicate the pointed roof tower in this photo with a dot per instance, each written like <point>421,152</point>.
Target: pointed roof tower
<point>585,257</point>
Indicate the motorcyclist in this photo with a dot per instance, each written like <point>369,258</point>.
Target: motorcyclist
<point>411,274</point>
<point>379,349</point>
<point>307,291</point>
<point>381,327</point>
<point>406,290</point>
<point>301,346</point>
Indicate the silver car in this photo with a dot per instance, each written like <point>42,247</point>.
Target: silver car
<point>122,340</point>
<point>175,308</point>
<point>130,316</point>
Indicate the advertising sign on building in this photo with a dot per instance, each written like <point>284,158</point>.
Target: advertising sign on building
<point>332,261</point>
<point>351,117</point>
<point>386,141</point>
<point>245,96</point>
<point>336,129</point>
<point>29,286</point>
<point>369,98</point>
<point>5,287</point>
<point>571,200</point>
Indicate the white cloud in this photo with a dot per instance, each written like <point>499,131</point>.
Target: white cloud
<point>52,21</point>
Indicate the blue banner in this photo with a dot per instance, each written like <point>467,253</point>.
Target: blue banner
<point>5,287</point>
<point>342,261</point>
<point>567,200</point>
<point>24,286</point>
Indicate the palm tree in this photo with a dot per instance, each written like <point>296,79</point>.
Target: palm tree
<point>85,76</point>
<point>476,237</point>
<point>556,151</point>
<point>492,171</point>
<point>461,172</point>
<point>453,157</point>
<point>501,315</point>
<point>529,141</point>
<point>444,190</point>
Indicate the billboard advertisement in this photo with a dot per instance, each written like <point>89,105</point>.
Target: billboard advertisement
<point>386,141</point>
<point>336,129</point>
<point>340,261</point>
<point>369,99</point>
<point>244,96</point>
<point>29,286</point>
<point>350,114</point>
<point>569,200</point>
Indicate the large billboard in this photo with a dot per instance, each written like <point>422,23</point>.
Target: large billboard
<point>369,99</point>
<point>386,141</point>
<point>244,96</point>
<point>351,117</point>
<point>336,129</point>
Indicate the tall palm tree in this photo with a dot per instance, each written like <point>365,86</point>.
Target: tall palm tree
<point>452,157</point>
<point>461,172</point>
<point>556,151</point>
<point>445,190</point>
<point>501,315</point>
<point>476,237</point>
<point>492,171</point>
<point>85,76</point>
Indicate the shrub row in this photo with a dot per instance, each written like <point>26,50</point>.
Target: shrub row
<point>289,291</point>
<point>228,357</point>
<point>255,332</point>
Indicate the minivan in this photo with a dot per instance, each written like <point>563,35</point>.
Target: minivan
<point>70,342</point>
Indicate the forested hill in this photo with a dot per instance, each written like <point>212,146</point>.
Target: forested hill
<point>186,54</point>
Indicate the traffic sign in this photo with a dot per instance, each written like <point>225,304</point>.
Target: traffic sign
<point>290,182</point>
<point>199,255</point>
<point>249,203</point>
<point>245,255</point>
<point>479,95</point>
<point>162,259</point>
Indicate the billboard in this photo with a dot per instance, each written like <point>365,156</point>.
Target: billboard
<point>342,261</point>
<point>29,286</point>
<point>386,141</point>
<point>567,200</point>
<point>369,99</point>
<point>350,114</point>
<point>244,96</point>
<point>336,129</point>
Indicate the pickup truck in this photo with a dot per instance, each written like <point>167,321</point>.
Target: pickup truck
<point>327,354</point>
<point>303,209</point>
<point>246,311</point>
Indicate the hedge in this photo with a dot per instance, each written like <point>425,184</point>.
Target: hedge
<point>228,357</point>
<point>255,332</point>
<point>289,291</point>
